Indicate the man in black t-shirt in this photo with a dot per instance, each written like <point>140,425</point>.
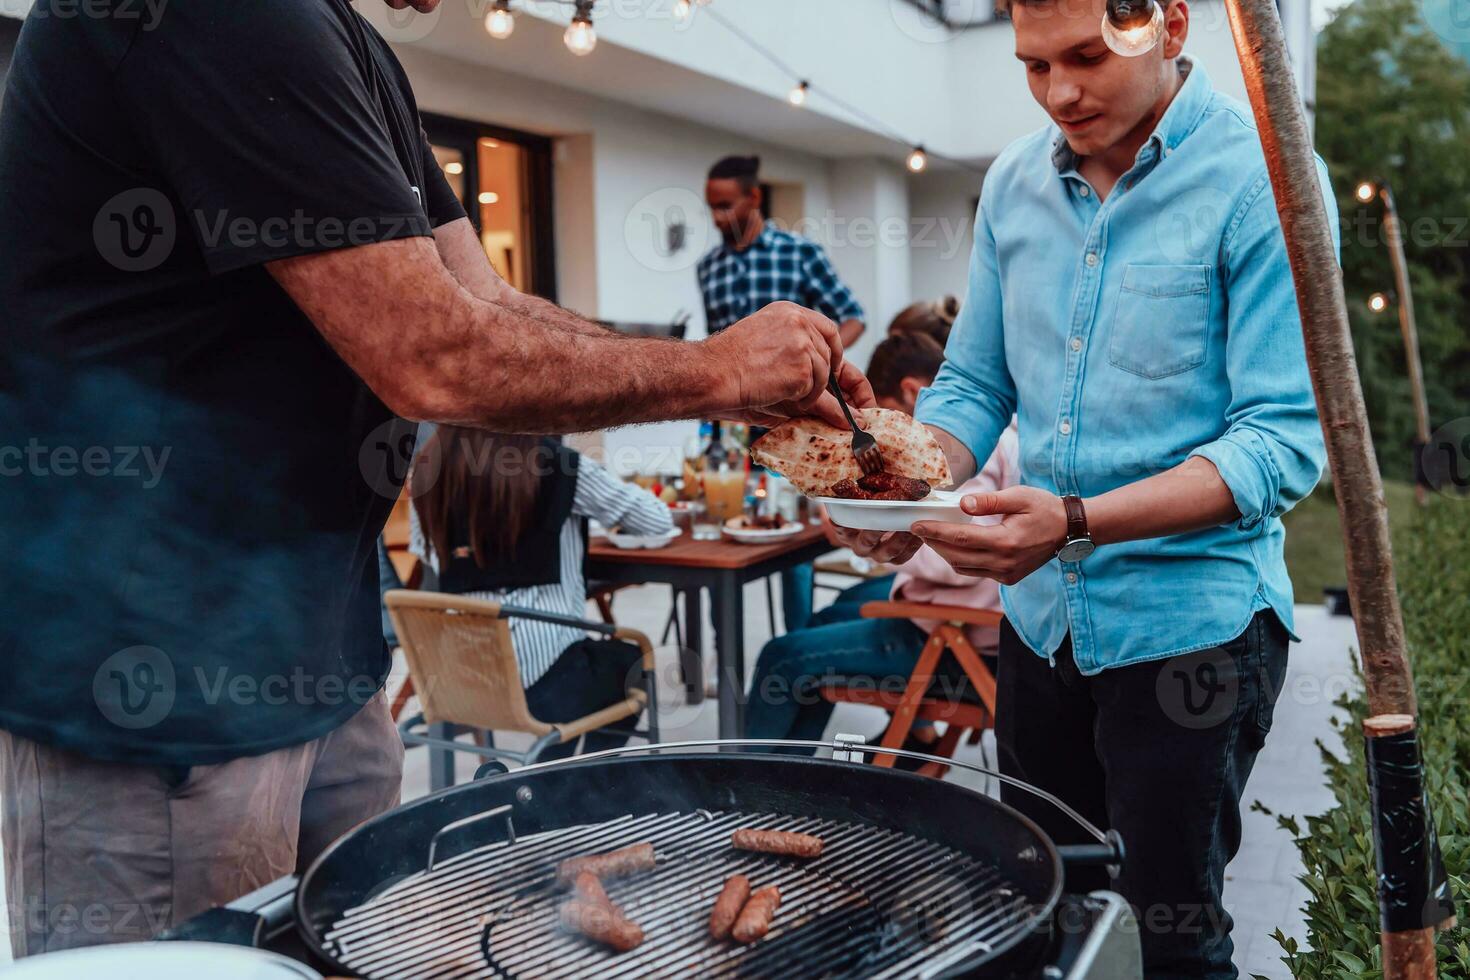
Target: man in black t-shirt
<point>231,271</point>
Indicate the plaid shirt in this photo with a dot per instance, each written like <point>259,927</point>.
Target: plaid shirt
<point>777,266</point>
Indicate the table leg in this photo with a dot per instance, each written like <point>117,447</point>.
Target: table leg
<point>691,651</point>
<point>729,605</point>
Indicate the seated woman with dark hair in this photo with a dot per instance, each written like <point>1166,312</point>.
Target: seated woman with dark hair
<point>504,517</point>
<point>784,699</point>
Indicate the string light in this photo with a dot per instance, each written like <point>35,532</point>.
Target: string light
<point>682,9</point>
<point>500,23</point>
<point>1366,191</point>
<point>580,37</point>
<point>918,160</point>
<point>1378,302</point>
<point>489,197</point>
<point>454,169</point>
<point>1132,27</point>
<point>797,95</point>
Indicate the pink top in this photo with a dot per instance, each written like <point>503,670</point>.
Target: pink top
<point>926,577</point>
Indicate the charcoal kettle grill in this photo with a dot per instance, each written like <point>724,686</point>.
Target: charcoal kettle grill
<point>918,877</point>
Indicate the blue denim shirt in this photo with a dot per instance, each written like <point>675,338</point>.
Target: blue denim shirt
<point>1128,336</point>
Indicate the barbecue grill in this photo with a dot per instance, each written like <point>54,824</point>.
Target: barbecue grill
<point>919,877</point>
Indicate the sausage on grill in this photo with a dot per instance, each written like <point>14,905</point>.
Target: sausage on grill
<point>614,864</point>
<point>728,905</point>
<point>755,918</point>
<point>777,842</point>
<point>603,922</point>
<point>588,888</point>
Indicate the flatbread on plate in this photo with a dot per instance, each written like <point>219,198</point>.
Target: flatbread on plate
<point>814,455</point>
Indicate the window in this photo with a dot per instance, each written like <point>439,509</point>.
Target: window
<point>503,179</point>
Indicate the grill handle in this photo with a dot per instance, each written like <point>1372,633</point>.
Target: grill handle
<point>1110,853</point>
<point>449,828</point>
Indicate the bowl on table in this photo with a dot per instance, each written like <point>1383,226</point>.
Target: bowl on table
<point>633,542</point>
<point>741,529</point>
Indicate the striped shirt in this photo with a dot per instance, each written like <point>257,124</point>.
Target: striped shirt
<point>598,496</point>
<point>777,266</point>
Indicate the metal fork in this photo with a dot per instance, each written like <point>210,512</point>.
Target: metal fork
<point>864,447</point>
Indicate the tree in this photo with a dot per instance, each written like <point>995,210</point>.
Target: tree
<point>1393,104</point>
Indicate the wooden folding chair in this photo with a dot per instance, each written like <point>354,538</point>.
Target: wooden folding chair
<point>921,696</point>
<point>462,661</point>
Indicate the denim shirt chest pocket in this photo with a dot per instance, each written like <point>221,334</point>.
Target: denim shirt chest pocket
<point>1161,323</point>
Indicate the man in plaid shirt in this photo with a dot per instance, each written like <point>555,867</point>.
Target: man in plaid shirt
<point>759,264</point>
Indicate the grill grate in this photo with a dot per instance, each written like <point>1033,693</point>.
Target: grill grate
<point>877,903</point>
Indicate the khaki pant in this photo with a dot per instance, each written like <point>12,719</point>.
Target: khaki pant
<point>105,852</point>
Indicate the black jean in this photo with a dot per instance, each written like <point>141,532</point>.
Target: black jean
<point>1158,751</point>
<point>588,676</point>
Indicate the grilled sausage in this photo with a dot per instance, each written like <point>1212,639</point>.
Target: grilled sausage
<point>755,918</point>
<point>777,842</point>
<point>602,922</point>
<point>728,905</point>
<point>614,864</point>
<point>588,888</point>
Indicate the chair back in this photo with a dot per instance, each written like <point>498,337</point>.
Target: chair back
<point>462,661</point>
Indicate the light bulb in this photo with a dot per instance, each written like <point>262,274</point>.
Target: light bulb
<point>1132,27</point>
<point>918,160</point>
<point>489,197</point>
<point>797,96</point>
<point>500,22</point>
<point>1366,191</point>
<point>580,38</point>
<point>682,9</point>
<point>1378,302</point>
<point>454,169</point>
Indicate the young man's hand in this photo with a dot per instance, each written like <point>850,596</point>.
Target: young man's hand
<point>774,364</point>
<point>882,547</point>
<point>1032,529</point>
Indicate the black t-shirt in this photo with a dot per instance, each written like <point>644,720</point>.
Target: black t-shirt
<point>191,480</point>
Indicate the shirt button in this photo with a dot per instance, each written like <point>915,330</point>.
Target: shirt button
<point>1076,343</point>
<point>1085,191</point>
<point>1065,428</point>
<point>1092,258</point>
<point>1071,578</point>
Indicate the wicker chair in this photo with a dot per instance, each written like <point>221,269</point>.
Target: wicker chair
<point>463,664</point>
<point>970,714</point>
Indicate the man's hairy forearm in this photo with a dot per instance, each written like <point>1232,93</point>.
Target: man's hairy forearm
<point>438,353</point>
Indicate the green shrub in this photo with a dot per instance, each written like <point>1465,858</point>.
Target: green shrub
<point>1337,847</point>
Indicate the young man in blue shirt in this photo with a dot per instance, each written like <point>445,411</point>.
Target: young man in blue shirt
<point>1131,301</point>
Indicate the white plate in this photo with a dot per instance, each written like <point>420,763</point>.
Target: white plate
<point>746,535</point>
<point>161,961</point>
<point>632,542</point>
<point>895,515</point>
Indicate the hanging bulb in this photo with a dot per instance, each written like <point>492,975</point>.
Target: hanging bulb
<point>1366,191</point>
<point>1378,302</point>
<point>1132,27</point>
<point>918,160</point>
<point>580,38</point>
<point>797,96</point>
<point>500,22</point>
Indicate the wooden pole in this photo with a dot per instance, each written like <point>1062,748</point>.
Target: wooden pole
<point>1360,502</point>
<point>1395,231</point>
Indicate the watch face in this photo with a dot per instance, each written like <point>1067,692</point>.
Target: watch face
<point>1076,550</point>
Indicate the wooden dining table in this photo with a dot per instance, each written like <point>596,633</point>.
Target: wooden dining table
<point>723,567</point>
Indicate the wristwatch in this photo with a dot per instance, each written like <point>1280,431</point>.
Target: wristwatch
<point>1079,540</point>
